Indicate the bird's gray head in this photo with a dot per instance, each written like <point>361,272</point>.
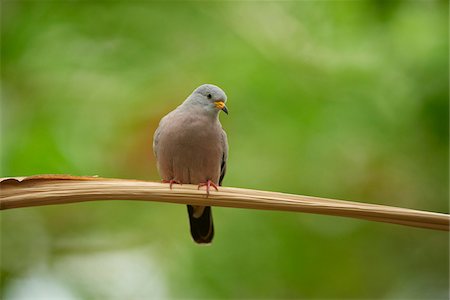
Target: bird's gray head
<point>210,97</point>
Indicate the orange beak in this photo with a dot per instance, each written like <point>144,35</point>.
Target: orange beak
<point>221,105</point>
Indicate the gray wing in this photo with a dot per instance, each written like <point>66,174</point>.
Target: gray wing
<point>156,140</point>
<point>157,134</point>
<point>223,165</point>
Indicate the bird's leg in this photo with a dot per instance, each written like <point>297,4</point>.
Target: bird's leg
<point>171,182</point>
<point>208,184</point>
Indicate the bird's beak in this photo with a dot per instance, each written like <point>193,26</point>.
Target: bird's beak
<point>221,105</point>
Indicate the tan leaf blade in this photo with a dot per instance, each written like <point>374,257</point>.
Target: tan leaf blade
<point>39,190</point>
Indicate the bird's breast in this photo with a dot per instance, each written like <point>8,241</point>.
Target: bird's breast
<point>191,150</point>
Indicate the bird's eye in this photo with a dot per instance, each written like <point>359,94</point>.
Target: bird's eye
<point>209,96</point>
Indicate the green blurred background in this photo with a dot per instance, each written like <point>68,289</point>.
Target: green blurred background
<point>340,99</point>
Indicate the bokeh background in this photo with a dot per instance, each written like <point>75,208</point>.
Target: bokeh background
<point>340,99</point>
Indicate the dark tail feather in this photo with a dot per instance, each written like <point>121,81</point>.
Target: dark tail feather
<point>202,229</point>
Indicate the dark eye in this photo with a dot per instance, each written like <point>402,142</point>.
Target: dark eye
<point>209,96</point>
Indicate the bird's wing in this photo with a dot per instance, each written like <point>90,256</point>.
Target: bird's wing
<point>223,165</point>
<point>156,140</point>
<point>157,134</point>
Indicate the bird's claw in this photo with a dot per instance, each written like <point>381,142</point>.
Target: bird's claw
<point>171,182</point>
<point>208,184</point>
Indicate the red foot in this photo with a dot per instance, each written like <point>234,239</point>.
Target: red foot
<point>171,182</point>
<point>208,184</point>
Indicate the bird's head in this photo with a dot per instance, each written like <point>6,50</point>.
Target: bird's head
<point>210,97</point>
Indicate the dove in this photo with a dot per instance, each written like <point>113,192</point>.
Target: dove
<point>191,147</point>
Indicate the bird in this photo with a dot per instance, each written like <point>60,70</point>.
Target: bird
<point>191,147</point>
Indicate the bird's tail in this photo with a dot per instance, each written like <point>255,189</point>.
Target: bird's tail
<point>202,228</point>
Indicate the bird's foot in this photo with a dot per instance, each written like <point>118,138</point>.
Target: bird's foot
<point>208,184</point>
<point>171,182</point>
